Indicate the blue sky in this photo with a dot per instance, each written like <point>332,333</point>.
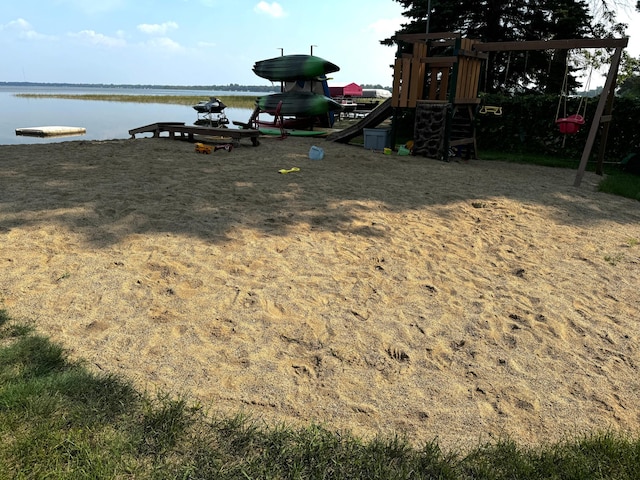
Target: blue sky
<point>191,42</point>
<point>197,42</point>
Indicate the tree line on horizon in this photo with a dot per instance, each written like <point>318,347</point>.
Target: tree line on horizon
<point>232,87</point>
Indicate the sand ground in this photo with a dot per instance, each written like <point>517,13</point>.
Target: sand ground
<point>370,293</point>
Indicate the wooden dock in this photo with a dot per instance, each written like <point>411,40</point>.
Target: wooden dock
<point>180,131</point>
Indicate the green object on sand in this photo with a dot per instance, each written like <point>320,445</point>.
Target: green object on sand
<point>298,103</point>
<point>288,68</point>
<point>293,133</point>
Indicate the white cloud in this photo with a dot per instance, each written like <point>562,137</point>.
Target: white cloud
<point>164,43</point>
<point>24,30</point>
<point>157,28</point>
<point>19,24</point>
<point>94,38</point>
<point>273,9</point>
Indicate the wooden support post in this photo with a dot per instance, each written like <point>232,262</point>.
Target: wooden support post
<point>606,121</point>
<point>394,128</point>
<point>406,82</point>
<point>455,70</point>
<point>417,73</point>
<point>397,83</point>
<point>595,124</point>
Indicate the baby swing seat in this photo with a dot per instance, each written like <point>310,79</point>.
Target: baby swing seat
<point>571,124</point>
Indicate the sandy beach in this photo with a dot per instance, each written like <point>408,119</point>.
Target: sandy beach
<point>367,292</point>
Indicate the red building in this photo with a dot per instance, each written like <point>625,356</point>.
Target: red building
<point>349,90</point>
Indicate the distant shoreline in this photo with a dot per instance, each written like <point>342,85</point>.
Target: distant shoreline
<point>232,87</point>
<point>235,101</point>
<point>224,88</point>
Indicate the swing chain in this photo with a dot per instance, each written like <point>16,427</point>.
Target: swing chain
<point>564,94</point>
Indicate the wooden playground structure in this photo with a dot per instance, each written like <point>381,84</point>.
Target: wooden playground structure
<point>443,90</point>
<point>440,80</point>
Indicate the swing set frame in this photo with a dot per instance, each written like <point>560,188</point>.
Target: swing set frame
<point>422,79</point>
<point>602,117</point>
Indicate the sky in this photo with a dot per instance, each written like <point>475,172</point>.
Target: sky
<point>199,42</point>
<point>191,42</point>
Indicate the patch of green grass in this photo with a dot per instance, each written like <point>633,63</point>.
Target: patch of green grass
<point>59,421</point>
<point>235,101</point>
<point>622,184</point>
<point>598,456</point>
<point>614,259</point>
<point>615,182</point>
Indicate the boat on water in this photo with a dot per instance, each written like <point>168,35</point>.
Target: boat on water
<point>213,105</point>
<point>348,105</point>
<point>211,113</point>
<point>288,68</point>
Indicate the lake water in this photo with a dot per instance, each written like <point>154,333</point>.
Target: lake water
<point>103,120</point>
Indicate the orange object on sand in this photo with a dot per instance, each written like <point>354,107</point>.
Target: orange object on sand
<point>202,148</point>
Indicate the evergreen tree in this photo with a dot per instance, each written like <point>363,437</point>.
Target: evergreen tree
<point>630,87</point>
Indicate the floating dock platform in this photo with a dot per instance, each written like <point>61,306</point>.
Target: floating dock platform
<point>50,131</point>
